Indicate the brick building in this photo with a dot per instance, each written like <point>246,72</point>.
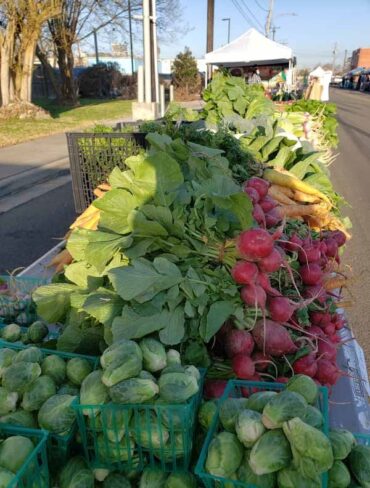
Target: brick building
<point>361,58</point>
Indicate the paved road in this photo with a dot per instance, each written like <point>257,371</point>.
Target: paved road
<point>351,177</point>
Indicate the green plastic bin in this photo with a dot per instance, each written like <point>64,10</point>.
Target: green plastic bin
<point>35,472</point>
<point>16,304</point>
<point>51,338</point>
<point>239,389</point>
<point>59,446</point>
<point>163,434</point>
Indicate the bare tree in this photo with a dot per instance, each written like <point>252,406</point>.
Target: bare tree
<point>20,27</point>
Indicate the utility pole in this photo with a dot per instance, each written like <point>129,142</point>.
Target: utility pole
<point>96,47</point>
<point>147,53</point>
<point>228,28</point>
<point>130,29</point>
<point>345,60</point>
<point>334,57</point>
<point>210,29</point>
<point>269,18</point>
<point>274,29</point>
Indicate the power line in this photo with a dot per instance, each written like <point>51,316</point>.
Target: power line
<point>262,8</point>
<point>246,17</point>
<point>252,14</point>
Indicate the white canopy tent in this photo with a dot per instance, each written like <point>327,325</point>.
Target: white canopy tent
<point>325,78</point>
<point>251,48</point>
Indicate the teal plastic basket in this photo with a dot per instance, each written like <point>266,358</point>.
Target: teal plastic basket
<point>16,303</point>
<point>47,343</point>
<point>363,439</point>
<point>59,446</point>
<point>129,437</point>
<point>34,472</point>
<point>239,389</point>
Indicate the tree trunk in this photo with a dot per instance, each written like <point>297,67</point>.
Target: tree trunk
<point>68,86</point>
<point>25,93</point>
<point>49,73</point>
<point>7,55</point>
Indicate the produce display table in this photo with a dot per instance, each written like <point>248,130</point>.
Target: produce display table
<point>349,400</point>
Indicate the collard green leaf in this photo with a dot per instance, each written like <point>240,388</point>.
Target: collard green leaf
<point>160,214</point>
<point>142,227</point>
<point>115,207</point>
<point>83,275</point>
<point>102,246</point>
<point>218,313</point>
<point>77,243</point>
<point>104,305</point>
<point>53,301</point>
<point>131,325</point>
<point>174,330</point>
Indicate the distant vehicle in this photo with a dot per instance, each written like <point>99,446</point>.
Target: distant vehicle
<point>336,80</point>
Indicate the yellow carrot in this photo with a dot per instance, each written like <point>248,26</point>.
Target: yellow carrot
<point>279,196</point>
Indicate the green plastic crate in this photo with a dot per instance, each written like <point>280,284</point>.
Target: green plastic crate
<point>363,439</point>
<point>59,446</point>
<point>238,389</point>
<point>16,304</point>
<point>51,338</point>
<point>106,447</point>
<point>34,473</point>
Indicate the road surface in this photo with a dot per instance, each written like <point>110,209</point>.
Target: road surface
<point>351,178</point>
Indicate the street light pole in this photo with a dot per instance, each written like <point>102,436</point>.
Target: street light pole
<point>228,28</point>
<point>96,47</point>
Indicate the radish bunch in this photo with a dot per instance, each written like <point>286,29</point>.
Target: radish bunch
<point>264,207</point>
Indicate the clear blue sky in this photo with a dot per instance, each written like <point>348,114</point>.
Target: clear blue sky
<point>311,34</point>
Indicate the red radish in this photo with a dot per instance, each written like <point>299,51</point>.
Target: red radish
<point>244,273</point>
<point>267,203</point>
<point>243,366</point>
<point>271,263</point>
<point>311,274</point>
<point>273,218</point>
<point>306,365</point>
<point>339,236</point>
<point>293,244</point>
<point>254,296</point>
<point>339,323</point>
<point>315,330</point>
<point>255,244</point>
<point>272,338</point>
<point>282,379</point>
<point>264,281</point>
<point>320,318</point>
<point>327,372</point>
<point>329,329</point>
<point>252,193</point>
<point>280,309</point>
<point>238,342</point>
<point>323,247</point>
<point>331,248</point>
<point>317,292</point>
<point>334,339</point>
<point>214,388</point>
<point>327,350</point>
<point>309,254</point>
<point>261,361</point>
<point>258,184</point>
<point>258,215</point>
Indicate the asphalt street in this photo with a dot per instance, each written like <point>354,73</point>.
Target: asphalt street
<point>351,178</point>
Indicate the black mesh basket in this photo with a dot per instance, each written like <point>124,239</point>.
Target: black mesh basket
<point>93,156</point>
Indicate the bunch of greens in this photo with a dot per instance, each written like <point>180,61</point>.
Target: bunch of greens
<point>159,261</point>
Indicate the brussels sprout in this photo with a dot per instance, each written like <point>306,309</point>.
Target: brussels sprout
<point>31,354</point>
<point>8,401</point>
<point>68,389</point>
<point>196,353</point>
<point>114,452</point>
<point>181,480</point>
<point>173,368</point>
<point>152,478</point>
<point>270,453</point>
<point>11,333</point>
<point>37,332</point>
<point>67,475</point>
<point>339,476</point>
<point>14,451</point>
<point>312,452</point>
<point>291,478</point>
<point>6,358</point>
<point>134,390</point>
<point>305,386</point>
<point>57,414</point>
<point>246,475</point>
<point>154,354</point>
<point>100,474</point>
<point>93,392</point>
<point>229,410</point>
<point>224,455</point>
<point>145,375</point>
<point>77,369</point>
<point>313,417</point>
<point>284,406</point>
<point>19,376</point>
<point>116,480</point>
<point>6,477</point>
<point>173,357</point>
<point>41,389</point>
<point>149,432</point>
<point>342,442</point>
<point>55,367</point>
<point>173,449</point>
<point>115,423</point>
<point>193,371</point>
<point>177,387</point>
<point>121,361</point>
<point>359,464</point>
<point>20,418</point>
<point>249,427</point>
<point>257,401</point>
<point>207,410</point>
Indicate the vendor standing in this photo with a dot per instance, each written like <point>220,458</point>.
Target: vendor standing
<point>255,77</point>
<point>314,90</point>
